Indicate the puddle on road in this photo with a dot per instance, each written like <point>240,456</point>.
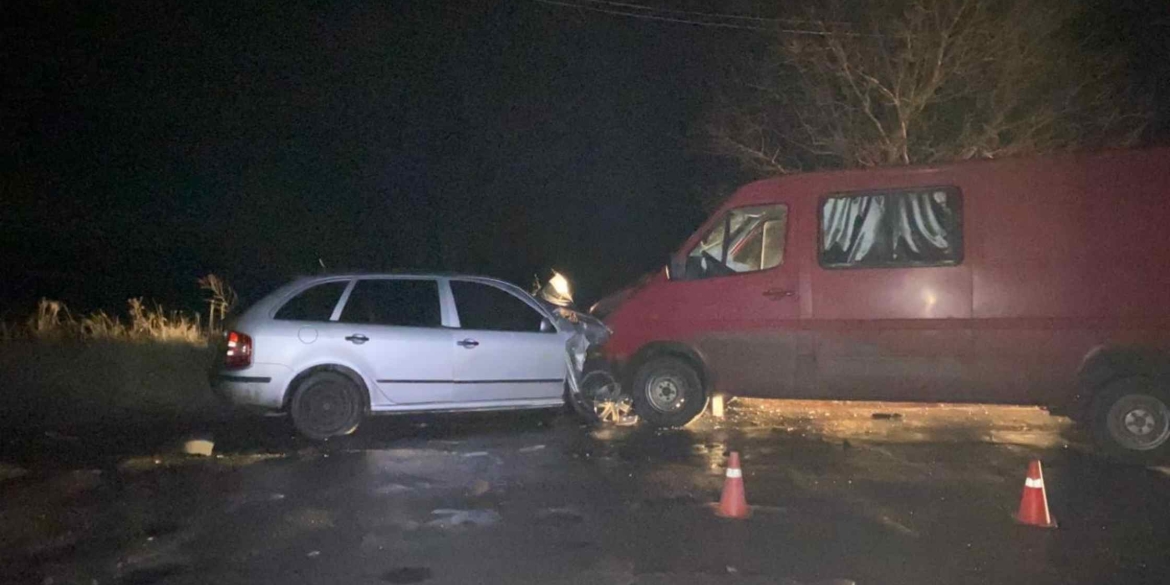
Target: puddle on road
<point>147,463</point>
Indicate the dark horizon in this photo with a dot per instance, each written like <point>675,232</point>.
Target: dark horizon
<point>148,146</point>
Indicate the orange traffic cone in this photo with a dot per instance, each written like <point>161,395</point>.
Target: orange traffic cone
<point>733,503</point>
<point>1034,503</point>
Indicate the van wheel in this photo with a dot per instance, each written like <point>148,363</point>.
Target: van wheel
<point>326,404</point>
<point>1131,420</point>
<point>667,392</point>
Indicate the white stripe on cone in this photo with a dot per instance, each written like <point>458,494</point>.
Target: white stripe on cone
<point>733,473</point>
<point>1034,483</point>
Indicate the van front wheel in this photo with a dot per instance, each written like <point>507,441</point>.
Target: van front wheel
<point>667,392</point>
<point>1131,420</point>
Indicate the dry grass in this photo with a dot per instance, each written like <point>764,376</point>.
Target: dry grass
<point>54,322</point>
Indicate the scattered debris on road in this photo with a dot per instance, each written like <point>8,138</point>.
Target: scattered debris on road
<point>391,488</point>
<point>199,447</point>
<point>479,487</point>
<point>452,518</point>
<point>560,516</point>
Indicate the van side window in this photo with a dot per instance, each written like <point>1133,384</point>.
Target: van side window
<point>892,229</point>
<point>747,239</point>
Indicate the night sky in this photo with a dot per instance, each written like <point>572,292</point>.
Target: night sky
<point>148,143</point>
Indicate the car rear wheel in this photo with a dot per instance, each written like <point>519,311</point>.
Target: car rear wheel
<point>1131,420</point>
<point>327,404</point>
<point>667,392</point>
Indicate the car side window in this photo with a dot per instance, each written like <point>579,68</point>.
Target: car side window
<point>487,308</point>
<point>748,239</point>
<point>315,303</point>
<point>395,302</point>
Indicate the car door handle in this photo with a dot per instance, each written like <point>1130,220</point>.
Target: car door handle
<point>357,339</point>
<point>467,343</point>
<point>776,293</point>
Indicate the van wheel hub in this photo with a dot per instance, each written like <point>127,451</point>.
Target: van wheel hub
<point>1139,422</point>
<point>666,393</point>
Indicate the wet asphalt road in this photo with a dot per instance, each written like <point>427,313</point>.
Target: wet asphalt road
<point>873,493</point>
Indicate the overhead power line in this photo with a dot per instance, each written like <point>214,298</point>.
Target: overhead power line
<point>643,12</point>
<point>717,15</point>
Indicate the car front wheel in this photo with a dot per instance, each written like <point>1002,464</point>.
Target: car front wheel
<point>326,404</point>
<point>667,392</point>
<point>1131,420</point>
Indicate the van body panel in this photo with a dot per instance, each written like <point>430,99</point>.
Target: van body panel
<point>1062,256</point>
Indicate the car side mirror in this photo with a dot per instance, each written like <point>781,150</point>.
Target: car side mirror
<point>546,326</point>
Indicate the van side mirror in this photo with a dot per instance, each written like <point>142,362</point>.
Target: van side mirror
<point>676,269</point>
<point>546,326</point>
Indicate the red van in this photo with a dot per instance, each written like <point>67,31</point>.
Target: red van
<point>1022,281</point>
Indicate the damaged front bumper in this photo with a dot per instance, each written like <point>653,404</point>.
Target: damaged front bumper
<point>593,390</point>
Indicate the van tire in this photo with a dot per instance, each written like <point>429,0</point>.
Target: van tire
<point>667,392</point>
<point>1131,420</point>
<point>326,405</point>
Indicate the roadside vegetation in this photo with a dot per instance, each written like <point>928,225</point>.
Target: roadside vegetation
<point>60,368</point>
<point>53,321</point>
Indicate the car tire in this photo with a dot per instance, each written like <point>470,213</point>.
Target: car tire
<point>326,405</point>
<point>1131,420</point>
<point>667,392</point>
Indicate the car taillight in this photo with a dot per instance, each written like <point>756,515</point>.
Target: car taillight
<point>239,350</point>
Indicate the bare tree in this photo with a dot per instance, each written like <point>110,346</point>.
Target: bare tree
<point>222,301</point>
<point>916,81</point>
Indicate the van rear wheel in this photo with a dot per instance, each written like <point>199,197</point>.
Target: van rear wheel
<point>667,392</point>
<point>1131,420</point>
<point>326,404</point>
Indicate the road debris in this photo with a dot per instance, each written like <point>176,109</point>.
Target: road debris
<point>199,447</point>
<point>479,487</point>
<point>453,518</point>
<point>59,437</point>
<point>560,516</point>
<point>391,488</point>
<point>315,518</point>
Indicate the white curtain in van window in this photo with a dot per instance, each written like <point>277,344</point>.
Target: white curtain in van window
<point>851,228</point>
<point>889,229</point>
<point>919,223</point>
